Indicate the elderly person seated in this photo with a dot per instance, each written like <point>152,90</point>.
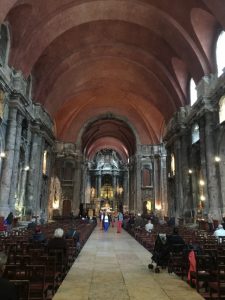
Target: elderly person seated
<point>219,231</point>
<point>149,226</point>
<point>7,289</point>
<point>58,241</point>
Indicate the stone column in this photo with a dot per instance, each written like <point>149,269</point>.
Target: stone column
<point>156,181</point>
<point>203,162</point>
<point>114,183</point>
<point>14,179</point>
<point>212,186</point>
<point>8,162</point>
<point>187,199</point>
<point>77,185</point>
<point>87,187</point>
<point>178,179</point>
<point>25,171</point>
<point>39,186</point>
<point>33,182</point>
<point>163,180</point>
<point>99,184</point>
<point>125,188</point>
<point>138,200</point>
<point>170,185</point>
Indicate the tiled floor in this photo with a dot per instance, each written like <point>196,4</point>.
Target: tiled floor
<point>115,266</point>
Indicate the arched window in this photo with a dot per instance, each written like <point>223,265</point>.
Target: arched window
<point>172,165</point>
<point>222,109</point>
<point>220,57</point>
<point>195,133</point>
<point>193,92</point>
<point>3,44</point>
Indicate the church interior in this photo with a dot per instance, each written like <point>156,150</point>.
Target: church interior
<point>113,105</point>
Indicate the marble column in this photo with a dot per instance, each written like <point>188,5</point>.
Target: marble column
<point>8,162</point>
<point>203,162</point>
<point>39,186</point>
<point>33,182</point>
<point>87,187</point>
<point>178,179</point>
<point>25,171</point>
<point>77,185</point>
<point>185,183</point>
<point>83,183</point>
<point>114,183</point>
<point>99,185</point>
<point>14,179</point>
<point>157,199</point>
<point>138,200</point>
<point>163,190</point>
<point>212,180</point>
<point>125,188</point>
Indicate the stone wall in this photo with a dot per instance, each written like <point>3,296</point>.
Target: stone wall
<point>196,189</point>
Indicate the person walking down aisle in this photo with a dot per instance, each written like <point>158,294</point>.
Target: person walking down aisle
<point>119,222</point>
<point>106,222</point>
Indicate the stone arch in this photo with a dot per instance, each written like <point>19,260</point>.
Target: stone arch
<point>109,117</point>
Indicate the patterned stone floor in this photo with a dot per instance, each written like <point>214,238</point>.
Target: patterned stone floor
<point>115,266</point>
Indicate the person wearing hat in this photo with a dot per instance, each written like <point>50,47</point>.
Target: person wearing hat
<point>219,231</point>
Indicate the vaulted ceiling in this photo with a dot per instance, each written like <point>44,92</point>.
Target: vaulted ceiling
<point>130,59</point>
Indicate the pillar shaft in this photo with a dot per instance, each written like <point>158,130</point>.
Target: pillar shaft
<point>14,179</point>
<point>8,162</point>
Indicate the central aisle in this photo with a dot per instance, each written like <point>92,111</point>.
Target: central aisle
<point>115,266</point>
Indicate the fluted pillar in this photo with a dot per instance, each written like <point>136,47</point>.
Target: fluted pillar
<point>77,185</point>
<point>14,179</point>
<point>8,162</point>
<point>157,180</point>
<point>125,189</point>
<point>138,200</point>
<point>163,188</point>
<point>212,180</point>
<point>33,181</point>
<point>185,183</point>
<point>25,171</point>
<point>99,185</point>
<point>178,179</point>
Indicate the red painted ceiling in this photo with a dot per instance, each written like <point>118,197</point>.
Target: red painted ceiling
<point>129,59</point>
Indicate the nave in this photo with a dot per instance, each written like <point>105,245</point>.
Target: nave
<point>115,266</point>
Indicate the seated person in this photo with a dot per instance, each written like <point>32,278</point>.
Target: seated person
<point>7,289</point>
<point>38,235</point>
<point>219,231</point>
<point>32,225</point>
<point>58,241</point>
<point>171,222</point>
<point>139,221</point>
<point>162,221</point>
<point>73,233</point>
<point>175,239</point>
<point>149,226</point>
